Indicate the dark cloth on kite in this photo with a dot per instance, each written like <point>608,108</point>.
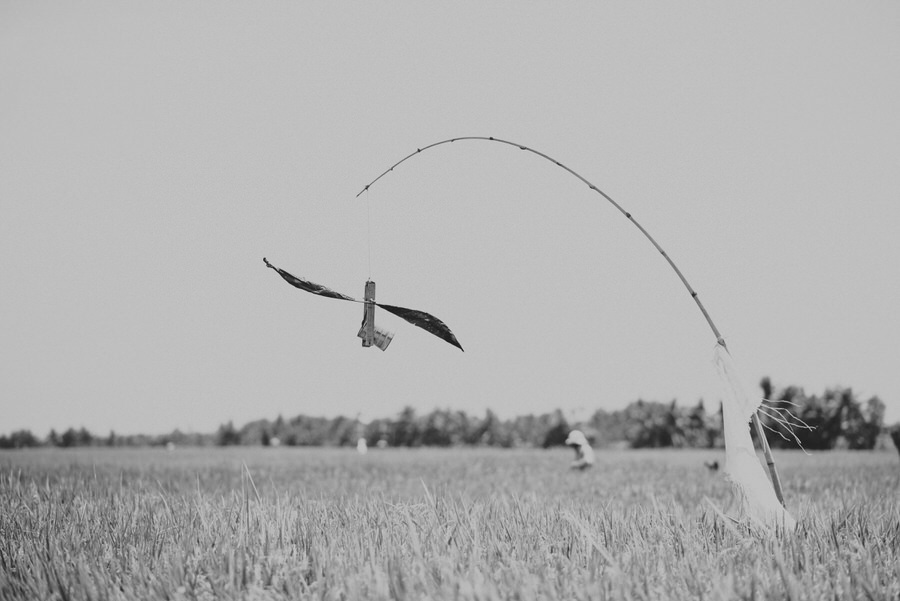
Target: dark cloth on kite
<point>424,320</point>
<point>309,286</point>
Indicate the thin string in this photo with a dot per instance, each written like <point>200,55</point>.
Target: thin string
<point>369,237</point>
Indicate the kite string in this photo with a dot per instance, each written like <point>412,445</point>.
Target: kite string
<point>369,237</point>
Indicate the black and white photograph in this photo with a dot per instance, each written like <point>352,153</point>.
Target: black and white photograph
<point>431,301</point>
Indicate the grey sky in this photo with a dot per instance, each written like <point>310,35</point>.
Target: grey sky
<point>152,153</point>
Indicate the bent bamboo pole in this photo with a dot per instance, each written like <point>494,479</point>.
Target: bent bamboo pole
<point>764,443</point>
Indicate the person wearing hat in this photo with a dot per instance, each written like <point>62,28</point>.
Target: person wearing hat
<point>584,454</point>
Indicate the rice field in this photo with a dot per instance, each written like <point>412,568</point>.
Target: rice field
<point>261,523</point>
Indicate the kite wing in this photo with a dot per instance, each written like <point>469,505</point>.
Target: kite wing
<point>309,286</point>
<point>426,321</point>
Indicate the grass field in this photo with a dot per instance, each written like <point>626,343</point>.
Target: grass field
<point>257,523</point>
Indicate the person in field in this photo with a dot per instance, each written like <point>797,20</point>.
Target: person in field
<point>584,454</point>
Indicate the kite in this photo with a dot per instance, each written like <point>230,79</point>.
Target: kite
<point>371,334</point>
<point>761,501</point>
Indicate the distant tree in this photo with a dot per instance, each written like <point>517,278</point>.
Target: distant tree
<point>68,438</point>
<point>341,431</point>
<point>528,430</point>
<point>405,430</point>
<point>461,425</point>
<point>609,427</point>
<point>24,438</point>
<point>556,435</point>
<point>491,432</point>
<point>895,436</point>
<point>837,419</point>
<point>254,432</point>
<point>376,430</point>
<point>83,438</point>
<point>76,438</point>
<point>437,429</point>
<point>303,430</point>
<point>694,428</point>
<point>861,423</point>
<point>650,424</point>
<point>227,435</point>
<point>819,413</point>
<point>19,439</point>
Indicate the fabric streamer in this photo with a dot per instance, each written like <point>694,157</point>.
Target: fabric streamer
<point>742,467</point>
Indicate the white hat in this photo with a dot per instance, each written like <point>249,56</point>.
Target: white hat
<point>576,437</point>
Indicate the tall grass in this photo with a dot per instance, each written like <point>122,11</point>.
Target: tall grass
<point>429,524</point>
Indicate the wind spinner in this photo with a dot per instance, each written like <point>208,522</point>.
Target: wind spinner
<point>371,334</point>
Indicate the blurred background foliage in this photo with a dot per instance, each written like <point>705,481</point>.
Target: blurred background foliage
<point>836,419</point>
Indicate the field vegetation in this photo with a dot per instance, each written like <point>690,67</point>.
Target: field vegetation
<point>463,523</point>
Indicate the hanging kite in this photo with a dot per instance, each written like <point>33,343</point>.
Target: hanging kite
<point>371,334</point>
<point>761,501</point>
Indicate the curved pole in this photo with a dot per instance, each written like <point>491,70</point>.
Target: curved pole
<point>770,461</point>
<point>628,215</point>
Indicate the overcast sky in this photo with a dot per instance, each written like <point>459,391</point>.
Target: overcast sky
<point>151,154</point>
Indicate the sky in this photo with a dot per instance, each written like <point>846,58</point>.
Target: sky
<point>151,154</point>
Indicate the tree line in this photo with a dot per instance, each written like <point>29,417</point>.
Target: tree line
<point>835,419</point>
